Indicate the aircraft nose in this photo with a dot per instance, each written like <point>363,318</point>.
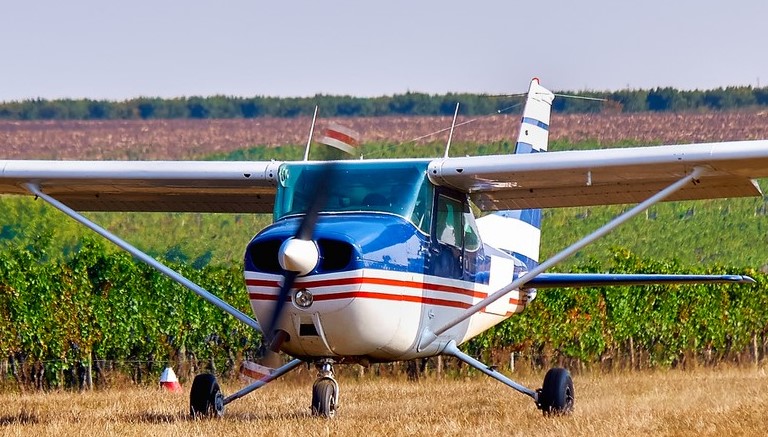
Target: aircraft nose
<point>300,256</point>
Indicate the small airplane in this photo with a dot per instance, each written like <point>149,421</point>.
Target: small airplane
<point>372,261</point>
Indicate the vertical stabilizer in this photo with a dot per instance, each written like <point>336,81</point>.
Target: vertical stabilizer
<point>534,127</point>
<point>518,232</point>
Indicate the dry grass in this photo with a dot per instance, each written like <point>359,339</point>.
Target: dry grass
<point>701,402</point>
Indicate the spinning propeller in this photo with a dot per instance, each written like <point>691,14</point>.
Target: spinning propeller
<point>297,256</point>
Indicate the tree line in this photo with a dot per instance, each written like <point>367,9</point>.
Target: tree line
<point>409,104</point>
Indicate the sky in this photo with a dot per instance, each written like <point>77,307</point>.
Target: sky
<point>102,49</point>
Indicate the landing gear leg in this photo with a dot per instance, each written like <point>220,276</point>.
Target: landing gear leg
<point>325,390</point>
<point>555,398</point>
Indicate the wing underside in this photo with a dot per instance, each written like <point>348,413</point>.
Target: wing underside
<point>575,280</point>
<point>179,186</point>
<point>600,177</point>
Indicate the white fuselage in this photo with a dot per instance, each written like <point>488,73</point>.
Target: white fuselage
<point>376,315</point>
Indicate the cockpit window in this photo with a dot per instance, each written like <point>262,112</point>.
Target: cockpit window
<point>397,187</point>
<point>450,229</point>
<point>456,224</point>
<point>471,234</point>
<point>422,210</point>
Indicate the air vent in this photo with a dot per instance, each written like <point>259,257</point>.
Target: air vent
<point>334,255</point>
<point>264,255</point>
<point>308,330</point>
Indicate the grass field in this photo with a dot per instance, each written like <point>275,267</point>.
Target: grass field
<point>699,402</point>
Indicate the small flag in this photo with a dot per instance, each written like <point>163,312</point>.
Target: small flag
<point>341,137</point>
<point>254,372</point>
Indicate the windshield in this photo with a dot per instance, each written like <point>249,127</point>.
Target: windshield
<point>397,187</point>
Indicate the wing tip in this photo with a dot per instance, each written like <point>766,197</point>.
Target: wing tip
<point>744,279</point>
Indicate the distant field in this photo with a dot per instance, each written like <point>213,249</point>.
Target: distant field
<point>672,403</point>
<point>222,237</point>
<point>186,139</point>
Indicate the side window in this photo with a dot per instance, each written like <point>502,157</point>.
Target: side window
<point>450,229</point>
<point>422,210</point>
<point>471,234</point>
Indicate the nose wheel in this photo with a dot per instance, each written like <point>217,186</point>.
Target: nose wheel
<point>325,391</point>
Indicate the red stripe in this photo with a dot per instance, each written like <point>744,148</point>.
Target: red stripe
<point>373,295</point>
<point>392,297</point>
<point>262,296</point>
<point>262,283</point>
<point>394,283</point>
<point>380,296</point>
<point>378,281</point>
<point>358,280</point>
<point>344,138</point>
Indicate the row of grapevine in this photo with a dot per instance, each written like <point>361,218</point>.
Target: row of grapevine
<point>59,317</point>
<point>641,327</point>
<point>56,317</point>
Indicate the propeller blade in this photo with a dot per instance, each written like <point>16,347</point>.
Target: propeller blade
<point>288,279</point>
<point>277,338</point>
<point>307,227</point>
<point>305,232</point>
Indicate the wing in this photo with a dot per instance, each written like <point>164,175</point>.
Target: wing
<point>181,186</point>
<point>562,280</point>
<point>608,176</point>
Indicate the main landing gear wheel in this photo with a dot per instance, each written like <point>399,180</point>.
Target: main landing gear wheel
<point>556,396</point>
<point>205,398</point>
<point>324,398</point>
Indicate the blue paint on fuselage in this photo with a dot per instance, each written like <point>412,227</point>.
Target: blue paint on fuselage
<point>379,241</point>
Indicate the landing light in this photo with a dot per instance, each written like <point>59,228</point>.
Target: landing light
<point>303,298</point>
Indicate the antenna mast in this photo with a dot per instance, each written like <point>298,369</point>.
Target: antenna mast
<point>311,131</point>
<point>450,135</point>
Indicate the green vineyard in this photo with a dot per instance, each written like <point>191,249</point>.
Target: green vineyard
<point>64,322</point>
<point>73,309</point>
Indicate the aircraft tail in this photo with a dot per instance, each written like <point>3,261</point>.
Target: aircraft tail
<point>518,232</point>
<point>534,127</point>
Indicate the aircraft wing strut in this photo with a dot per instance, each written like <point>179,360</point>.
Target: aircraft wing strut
<point>162,268</point>
<point>429,337</point>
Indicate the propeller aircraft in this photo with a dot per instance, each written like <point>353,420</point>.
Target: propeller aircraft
<point>372,261</point>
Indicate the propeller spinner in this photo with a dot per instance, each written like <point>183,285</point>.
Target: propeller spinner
<point>299,256</point>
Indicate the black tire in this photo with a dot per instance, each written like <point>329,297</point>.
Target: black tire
<point>324,398</point>
<point>205,398</point>
<point>556,396</point>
